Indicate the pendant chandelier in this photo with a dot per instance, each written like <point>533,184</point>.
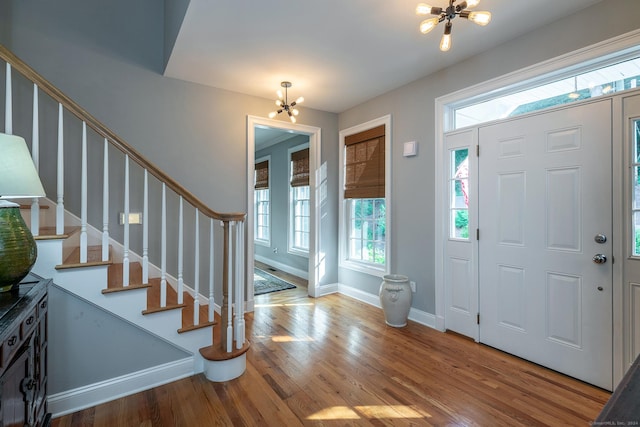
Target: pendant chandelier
<point>448,14</point>
<point>283,103</point>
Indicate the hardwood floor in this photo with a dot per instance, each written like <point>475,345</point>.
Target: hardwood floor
<point>333,361</point>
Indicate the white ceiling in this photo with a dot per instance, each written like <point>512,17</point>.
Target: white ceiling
<point>337,53</point>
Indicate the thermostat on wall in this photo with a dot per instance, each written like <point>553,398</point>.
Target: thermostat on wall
<point>410,149</point>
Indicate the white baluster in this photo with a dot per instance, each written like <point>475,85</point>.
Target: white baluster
<point>35,155</point>
<point>163,239</point>
<point>180,251</point>
<point>229,284</point>
<point>196,267</point>
<point>60,177</point>
<point>240,326</point>
<point>211,298</point>
<point>145,230</point>
<point>8,109</point>
<point>125,256</point>
<point>105,203</point>
<point>83,197</point>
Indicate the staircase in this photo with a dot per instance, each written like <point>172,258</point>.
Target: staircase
<point>135,271</point>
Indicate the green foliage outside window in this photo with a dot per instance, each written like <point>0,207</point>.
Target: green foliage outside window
<point>370,226</point>
<point>462,223</point>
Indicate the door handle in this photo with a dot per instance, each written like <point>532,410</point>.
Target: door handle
<point>599,258</point>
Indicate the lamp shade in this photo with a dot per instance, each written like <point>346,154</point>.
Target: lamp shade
<point>18,175</point>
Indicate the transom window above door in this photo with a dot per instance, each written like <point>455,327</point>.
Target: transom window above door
<point>549,91</point>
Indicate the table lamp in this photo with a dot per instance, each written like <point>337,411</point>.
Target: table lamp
<point>18,179</point>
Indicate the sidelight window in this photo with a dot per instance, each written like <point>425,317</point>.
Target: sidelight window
<point>635,188</point>
<point>459,194</point>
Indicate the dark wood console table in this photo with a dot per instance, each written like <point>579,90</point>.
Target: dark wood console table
<point>23,354</point>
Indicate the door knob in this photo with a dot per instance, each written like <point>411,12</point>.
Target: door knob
<point>599,259</point>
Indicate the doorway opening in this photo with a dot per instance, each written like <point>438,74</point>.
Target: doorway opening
<point>294,216</point>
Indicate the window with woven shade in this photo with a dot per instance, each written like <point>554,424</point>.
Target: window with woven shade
<point>262,203</point>
<point>365,160</point>
<point>300,168</point>
<point>365,164</point>
<point>262,175</point>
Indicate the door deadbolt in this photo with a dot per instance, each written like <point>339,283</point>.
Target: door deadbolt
<point>599,258</point>
<point>600,238</point>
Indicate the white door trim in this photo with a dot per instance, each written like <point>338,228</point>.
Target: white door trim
<point>443,123</point>
<point>315,142</point>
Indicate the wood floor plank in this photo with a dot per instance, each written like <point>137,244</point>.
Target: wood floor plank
<point>332,361</point>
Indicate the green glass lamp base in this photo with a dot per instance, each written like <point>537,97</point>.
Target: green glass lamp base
<point>18,250</point>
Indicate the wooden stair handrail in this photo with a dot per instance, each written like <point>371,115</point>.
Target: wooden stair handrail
<point>114,139</point>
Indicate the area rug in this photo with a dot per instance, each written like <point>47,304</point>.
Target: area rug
<point>264,283</point>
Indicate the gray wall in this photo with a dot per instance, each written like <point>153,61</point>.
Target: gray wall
<point>412,108</point>
<point>279,192</point>
<point>110,346</point>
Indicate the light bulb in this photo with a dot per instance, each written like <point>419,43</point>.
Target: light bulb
<point>299,100</point>
<point>272,114</point>
<point>279,93</point>
<point>445,43</point>
<point>295,111</point>
<point>480,17</point>
<point>279,102</point>
<point>473,3</point>
<point>423,9</point>
<point>293,119</point>
<point>428,25</point>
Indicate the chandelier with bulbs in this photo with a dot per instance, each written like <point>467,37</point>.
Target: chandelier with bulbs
<point>283,103</point>
<point>448,14</point>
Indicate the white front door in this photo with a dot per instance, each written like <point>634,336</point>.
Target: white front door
<point>544,214</point>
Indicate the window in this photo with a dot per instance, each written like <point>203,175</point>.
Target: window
<point>261,201</point>
<point>600,79</point>
<point>365,198</point>
<point>367,230</point>
<point>459,194</point>
<point>635,188</point>
<point>299,201</point>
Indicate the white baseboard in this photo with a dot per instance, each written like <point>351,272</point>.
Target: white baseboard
<point>85,397</point>
<point>286,268</point>
<point>416,315</point>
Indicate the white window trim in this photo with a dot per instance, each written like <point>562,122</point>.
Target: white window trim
<point>290,249</point>
<point>263,242</point>
<point>344,262</point>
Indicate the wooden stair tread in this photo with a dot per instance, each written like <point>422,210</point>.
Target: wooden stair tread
<point>115,272</point>
<point>49,233</point>
<point>25,206</point>
<point>187,316</point>
<point>94,258</point>
<point>124,288</point>
<point>153,298</point>
<point>216,353</point>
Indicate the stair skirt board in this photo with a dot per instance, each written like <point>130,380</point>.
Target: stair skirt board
<point>85,397</point>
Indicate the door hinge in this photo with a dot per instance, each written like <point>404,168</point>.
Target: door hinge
<point>477,151</point>
<point>477,234</point>
<point>478,318</point>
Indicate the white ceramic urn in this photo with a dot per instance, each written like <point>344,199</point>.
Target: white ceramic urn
<point>395,298</point>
